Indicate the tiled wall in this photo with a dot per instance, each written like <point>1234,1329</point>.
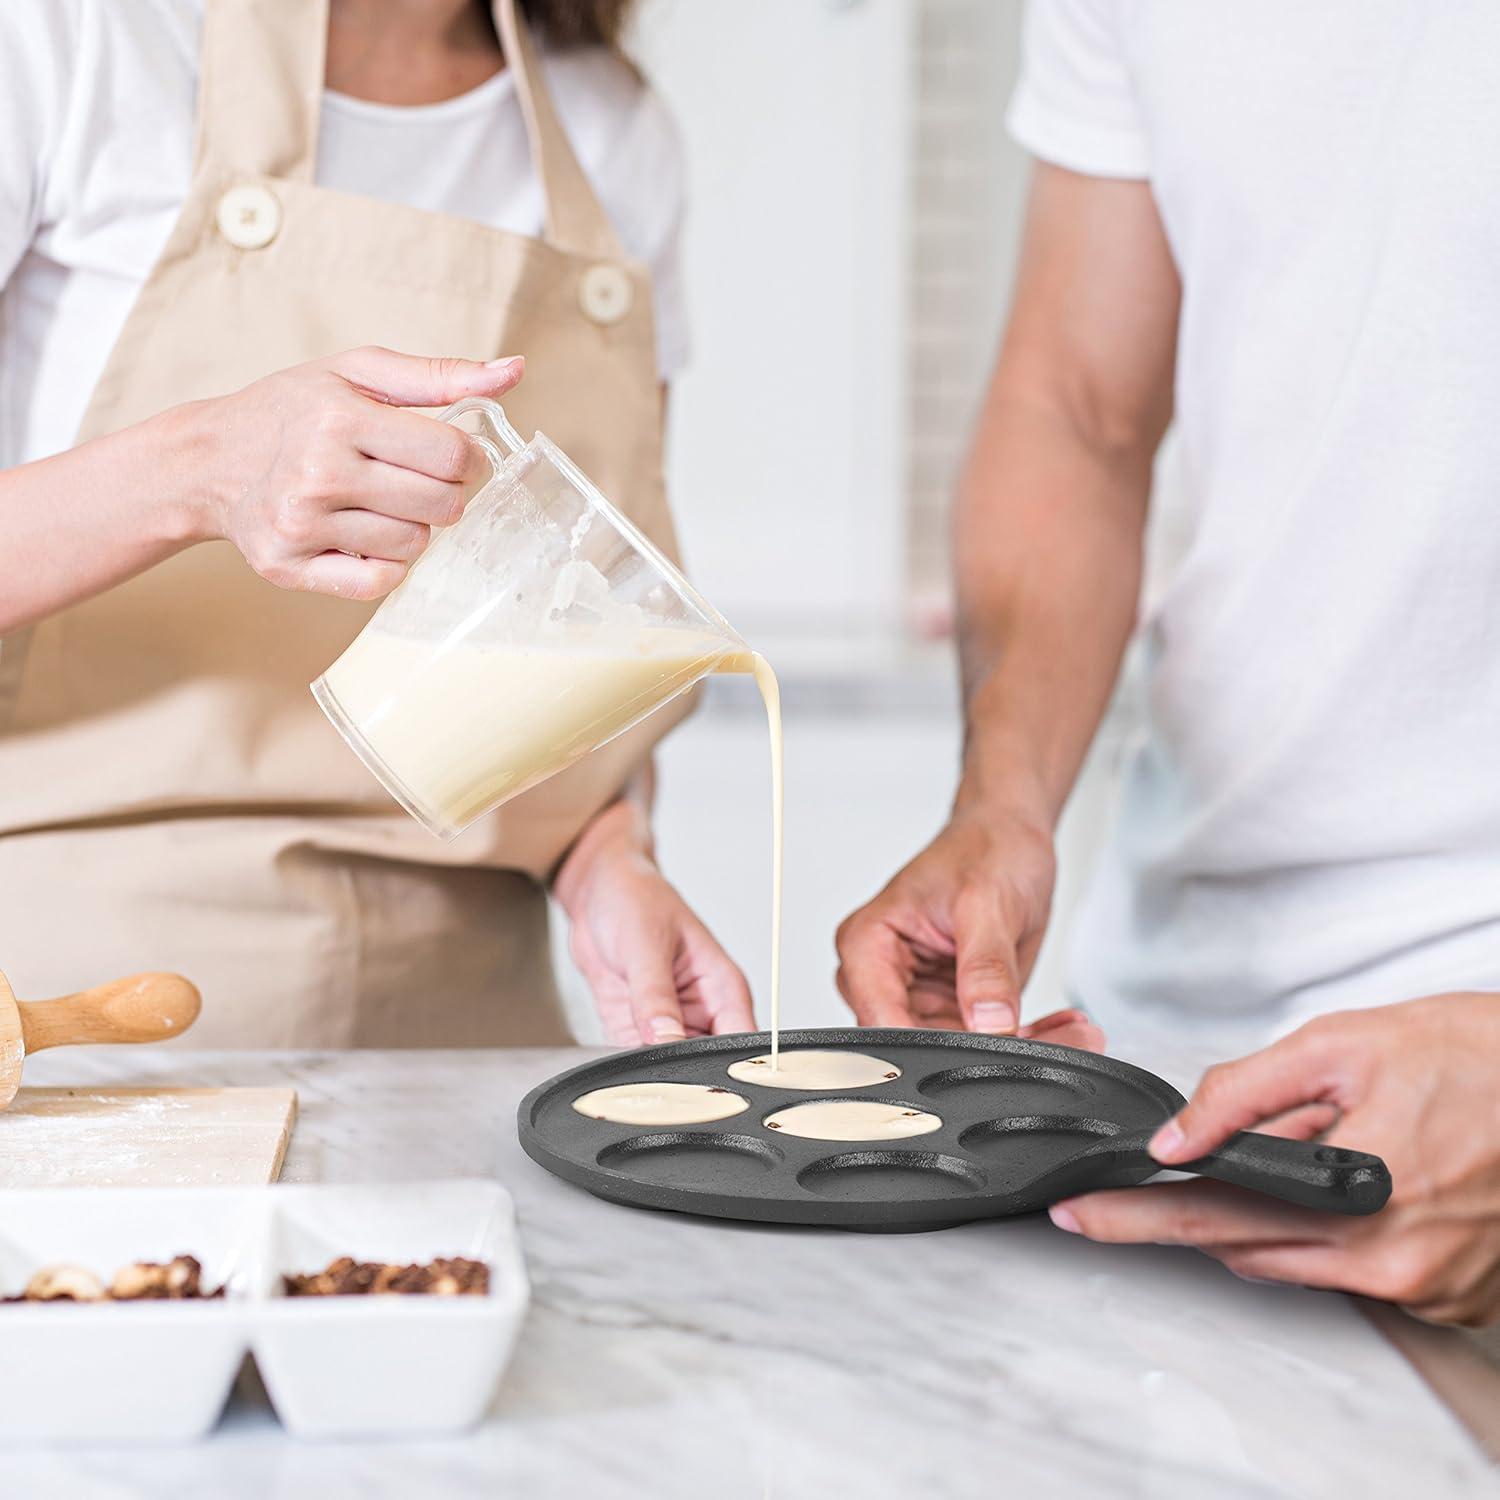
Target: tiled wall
<point>968,198</point>
<point>967,190</point>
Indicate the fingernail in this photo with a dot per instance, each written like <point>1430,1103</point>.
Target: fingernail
<point>507,362</point>
<point>993,1016</point>
<point>1064,1218</point>
<point>665,1029</point>
<point>1168,1143</point>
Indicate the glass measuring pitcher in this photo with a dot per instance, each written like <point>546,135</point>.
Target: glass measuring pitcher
<point>539,626</point>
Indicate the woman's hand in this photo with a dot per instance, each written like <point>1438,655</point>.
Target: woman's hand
<point>320,478</point>
<point>656,971</point>
<point>951,940</point>
<point>1414,1083</point>
<point>315,474</point>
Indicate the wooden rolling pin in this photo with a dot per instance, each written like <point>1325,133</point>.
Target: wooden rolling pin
<point>143,1008</point>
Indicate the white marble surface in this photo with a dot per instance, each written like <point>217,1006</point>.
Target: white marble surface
<point>669,1357</point>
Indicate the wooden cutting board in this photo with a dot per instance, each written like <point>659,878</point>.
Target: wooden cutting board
<point>117,1137</point>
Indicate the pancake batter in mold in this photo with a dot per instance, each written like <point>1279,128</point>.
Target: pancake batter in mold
<point>811,1069</point>
<point>660,1104</point>
<point>852,1120</point>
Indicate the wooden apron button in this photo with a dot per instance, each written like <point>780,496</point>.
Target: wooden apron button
<point>248,216</point>
<point>605,294</point>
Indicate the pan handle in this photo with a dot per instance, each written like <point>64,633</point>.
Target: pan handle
<point>1331,1178</point>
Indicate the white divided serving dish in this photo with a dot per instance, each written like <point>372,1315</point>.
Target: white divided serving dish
<point>348,1366</point>
<point>333,1366</point>
<point>127,1371</point>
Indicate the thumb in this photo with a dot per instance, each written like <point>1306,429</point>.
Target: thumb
<point>420,380</point>
<point>1234,1096</point>
<point>653,994</point>
<point>987,974</point>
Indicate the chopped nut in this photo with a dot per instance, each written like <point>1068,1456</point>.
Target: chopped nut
<point>177,1280</point>
<point>346,1277</point>
<point>64,1284</point>
<point>136,1281</point>
<point>183,1275</point>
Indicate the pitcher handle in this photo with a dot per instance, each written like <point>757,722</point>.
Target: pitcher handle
<point>499,439</point>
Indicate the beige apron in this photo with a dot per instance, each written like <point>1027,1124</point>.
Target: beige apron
<point>170,796</point>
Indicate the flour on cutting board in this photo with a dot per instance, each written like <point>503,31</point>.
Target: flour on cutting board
<point>48,1142</point>
<point>90,1137</point>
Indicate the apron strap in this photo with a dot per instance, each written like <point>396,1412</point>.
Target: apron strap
<point>576,220</point>
<point>261,88</point>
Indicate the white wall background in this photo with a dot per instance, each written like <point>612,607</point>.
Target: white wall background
<point>788,450</point>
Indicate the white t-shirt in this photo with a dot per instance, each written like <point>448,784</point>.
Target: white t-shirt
<point>97,101</point>
<point>1313,822</point>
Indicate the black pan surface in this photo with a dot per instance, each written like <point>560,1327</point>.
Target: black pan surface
<point>1025,1124</point>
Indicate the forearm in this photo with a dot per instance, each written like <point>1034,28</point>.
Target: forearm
<point>1048,543</point>
<point>76,524</point>
<point>1052,511</point>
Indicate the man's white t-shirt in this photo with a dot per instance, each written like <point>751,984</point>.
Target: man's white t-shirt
<point>97,102</point>
<point>1313,821</point>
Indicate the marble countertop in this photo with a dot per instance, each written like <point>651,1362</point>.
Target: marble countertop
<point>667,1357</point>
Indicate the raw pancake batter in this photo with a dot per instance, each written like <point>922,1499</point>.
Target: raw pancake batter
<point>852,1120</point>
<point>770,693</point>
<point>814,1070</point>
<point>454,727</point>
<point>463,726</point>
<point>660,1104</point>
<point>758,667</point>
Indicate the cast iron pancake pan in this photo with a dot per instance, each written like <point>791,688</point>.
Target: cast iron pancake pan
<point>1024,1125</point>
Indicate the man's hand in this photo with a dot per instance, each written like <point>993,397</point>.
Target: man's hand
<point>1048,531</point>
<point>1418,1084</point>
<point>951,940</point>
<point>656,971</point>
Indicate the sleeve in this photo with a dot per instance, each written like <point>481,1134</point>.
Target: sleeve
<point>36,38</point>
<point>1075,104</point>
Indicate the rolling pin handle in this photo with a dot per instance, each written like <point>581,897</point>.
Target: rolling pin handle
<point>142,1008</point>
